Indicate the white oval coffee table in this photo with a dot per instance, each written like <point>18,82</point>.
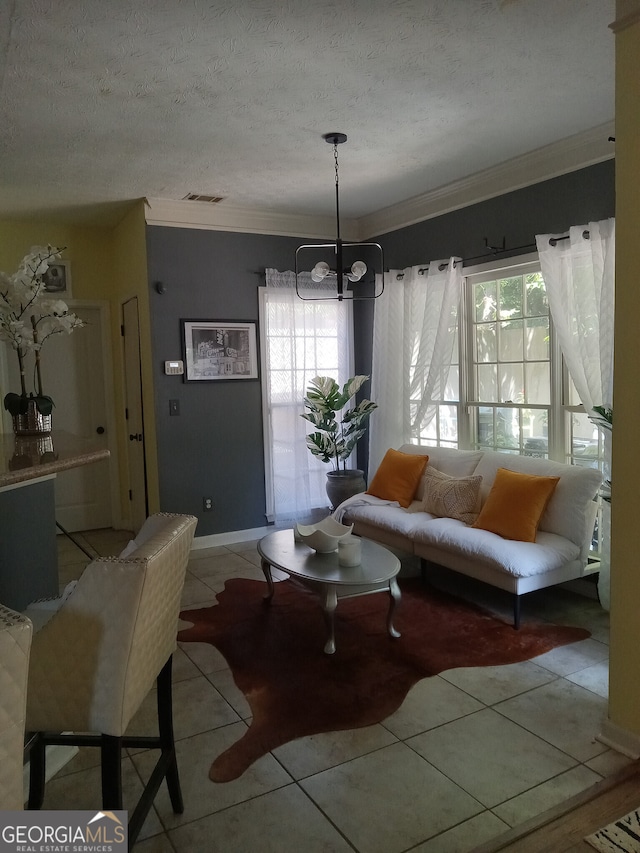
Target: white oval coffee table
<point>321,572</point>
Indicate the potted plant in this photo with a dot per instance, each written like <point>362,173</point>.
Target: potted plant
<point>334,441</point>
<point>27,319</point>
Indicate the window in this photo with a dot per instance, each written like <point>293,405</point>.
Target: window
<point>299,340</point>
<point>509,363</point>
<point>509,390</point>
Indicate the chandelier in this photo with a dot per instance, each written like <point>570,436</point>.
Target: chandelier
<point>343,263</point>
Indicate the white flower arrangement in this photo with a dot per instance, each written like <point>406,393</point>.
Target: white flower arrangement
<point>28,318</point>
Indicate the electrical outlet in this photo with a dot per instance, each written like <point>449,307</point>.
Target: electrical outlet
<point>207,504</point>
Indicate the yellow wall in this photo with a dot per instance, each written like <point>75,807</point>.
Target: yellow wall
<point>624,689</point>
<point>106,264</point>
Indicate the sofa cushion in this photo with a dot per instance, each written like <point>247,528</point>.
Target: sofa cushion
<point>515,504</point>
<point>568,512</point>
<point>520,559</point>
<point>391,518</point>
<point>398,476</point>
<point>451,497</point>
<point>456,463</point>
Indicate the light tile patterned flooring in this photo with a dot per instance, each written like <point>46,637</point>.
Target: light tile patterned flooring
<point>470,753</point>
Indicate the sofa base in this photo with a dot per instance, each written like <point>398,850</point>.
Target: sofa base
<point>515,597</point>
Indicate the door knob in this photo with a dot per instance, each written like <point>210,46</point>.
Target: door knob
<point>100,430</point>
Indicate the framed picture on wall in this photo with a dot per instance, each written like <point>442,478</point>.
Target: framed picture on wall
<point>57,279</point>
<point>217,350</point>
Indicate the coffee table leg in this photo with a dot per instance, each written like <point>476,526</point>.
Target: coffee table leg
<point>330,604</point>
<point>266,568</point>
<point>394,593</point>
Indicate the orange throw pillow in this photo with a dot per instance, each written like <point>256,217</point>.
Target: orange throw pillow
<point>398,477</point>
<point>515,504</point>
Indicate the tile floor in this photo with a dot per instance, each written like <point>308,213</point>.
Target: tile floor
<point>469,754</point>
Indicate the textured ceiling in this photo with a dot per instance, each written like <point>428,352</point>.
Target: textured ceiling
<point>103,101</point>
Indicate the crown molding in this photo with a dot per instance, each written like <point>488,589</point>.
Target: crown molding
<point>627,20</point>
<point>220,217</point>
<point>559,158</point>
<point>550,161</point>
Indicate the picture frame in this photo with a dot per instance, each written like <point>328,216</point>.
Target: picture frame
<point>219,350</point>
<point>57,280</point>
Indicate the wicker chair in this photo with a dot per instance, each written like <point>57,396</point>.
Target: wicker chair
<point>15,643</point>
<point>98,655</point>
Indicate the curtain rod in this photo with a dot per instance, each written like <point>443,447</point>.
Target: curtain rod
<point>552,242</point>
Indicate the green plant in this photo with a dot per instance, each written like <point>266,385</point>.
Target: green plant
<point>333,441</point>
<point>603,417</point>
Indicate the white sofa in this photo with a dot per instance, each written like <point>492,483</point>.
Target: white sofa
<point>559,553</point>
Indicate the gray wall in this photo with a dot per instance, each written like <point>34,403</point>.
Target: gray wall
<point>214,447</point>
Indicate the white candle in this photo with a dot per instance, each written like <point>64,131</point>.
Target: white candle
<point>349,549</point>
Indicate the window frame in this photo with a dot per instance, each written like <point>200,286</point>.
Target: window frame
<point>490,271</point>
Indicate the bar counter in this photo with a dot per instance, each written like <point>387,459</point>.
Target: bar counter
<point>26,458</point>
<point>28,550</point>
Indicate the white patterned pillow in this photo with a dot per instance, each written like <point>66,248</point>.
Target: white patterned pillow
<point>451,497</point>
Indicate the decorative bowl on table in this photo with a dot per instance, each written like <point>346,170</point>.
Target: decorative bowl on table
<point>324,536</point>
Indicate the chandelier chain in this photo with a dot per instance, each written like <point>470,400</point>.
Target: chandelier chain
<point>335,157</point>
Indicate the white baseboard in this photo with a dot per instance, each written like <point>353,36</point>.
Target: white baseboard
<point>628,743</point>
<point>230,538</point>
<point>56,758</point>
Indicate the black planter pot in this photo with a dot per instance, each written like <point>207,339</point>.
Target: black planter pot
<point>344,484</point>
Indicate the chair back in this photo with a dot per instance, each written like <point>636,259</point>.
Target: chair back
<point>15,645</point>
<point>94,662</point>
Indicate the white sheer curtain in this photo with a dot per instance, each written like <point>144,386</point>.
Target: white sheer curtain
<point>414,328</point>
<point>579,276</point>
<point>299,340</point>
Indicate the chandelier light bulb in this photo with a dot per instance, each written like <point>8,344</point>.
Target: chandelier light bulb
<point>320,271</point>
<point>358,269</point>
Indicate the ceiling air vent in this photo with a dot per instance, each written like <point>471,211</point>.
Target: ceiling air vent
<point>211,199</point>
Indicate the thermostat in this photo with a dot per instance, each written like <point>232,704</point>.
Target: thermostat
<point>171,368</point>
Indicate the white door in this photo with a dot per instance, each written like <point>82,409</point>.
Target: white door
<point>73,375</point>
<point>134,414</point>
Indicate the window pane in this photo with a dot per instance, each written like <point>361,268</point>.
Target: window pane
<point>511,341</point>
<point>485,427</point>
<point>452,387</point>
<point>511,297</point>
<point>485,301</point>
<point>487,382</point>
<point>537,304</point>
<point>538,383</point>
<point>586,441</point>
<point>537,339</point>
<point>511,377</point>
<point>448,423</point>
<point>507,429</point>
<point>535,429</point>
<point>486,346</point>
<point>572,394</point>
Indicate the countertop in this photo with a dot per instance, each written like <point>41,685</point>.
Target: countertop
<point>24,458</point>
